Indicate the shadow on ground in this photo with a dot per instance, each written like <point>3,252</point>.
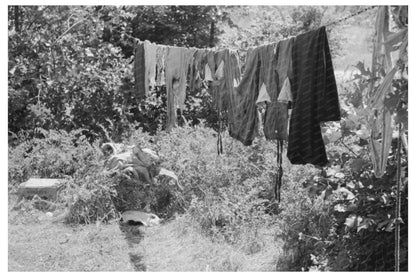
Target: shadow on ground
<point>133,235</point>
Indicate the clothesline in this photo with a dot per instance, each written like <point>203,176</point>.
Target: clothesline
<point>295,70</point>
<point>311,85</point>
<point>349,16</point>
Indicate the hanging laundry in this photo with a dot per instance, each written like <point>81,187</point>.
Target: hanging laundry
<point>266,77</point>
<point>210,66</point>
<point>197,73</point>
<point>217,89</point>
<point>235,68</point>
<point>277,115</point>
<point>263,95</point>
<point>244,124</point>
<point>285,95</point>
<point>208,74</point>
<point>219,73</point>
<point>219,86</point>
<point>275,118</point>
<point>267,83</point>
<point>178,60</point>
<point>144,68</point>
<point>233,77</point>
<point>150,65</point>
<point>177,64</point>
<point>315,97</point>
<point>161,53</point>
<point>227,73</point>
<point>211,60</point>
<point>139,70</point>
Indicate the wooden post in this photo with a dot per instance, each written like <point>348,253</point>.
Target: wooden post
<point>398,203</point>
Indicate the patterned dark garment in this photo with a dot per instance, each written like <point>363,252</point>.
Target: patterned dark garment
<point>276,117</point>
<point>315,98</point>
<point>243,125</point>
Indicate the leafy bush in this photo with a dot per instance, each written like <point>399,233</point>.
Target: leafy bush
<point>221,193</point>
<point>89,193</point>
<point>69,156</point>
<point>58,154</point>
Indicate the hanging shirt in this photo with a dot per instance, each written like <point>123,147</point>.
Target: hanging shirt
<point>315,98</point>
<point>275,65</point>
<point>244,123</point>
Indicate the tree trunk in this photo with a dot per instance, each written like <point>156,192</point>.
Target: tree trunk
<point>16,18</point>
<point>211,34</point>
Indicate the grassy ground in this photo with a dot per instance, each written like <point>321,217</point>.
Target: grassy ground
<point>35,243</point>
<point>52,247</point>
<point>179,246</point>
<point>38,244</point>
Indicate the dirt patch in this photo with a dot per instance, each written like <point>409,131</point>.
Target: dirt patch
<point>134,235</point>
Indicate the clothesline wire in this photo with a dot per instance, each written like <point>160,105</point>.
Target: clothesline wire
<point>349,16</point>
<point>326,25</point>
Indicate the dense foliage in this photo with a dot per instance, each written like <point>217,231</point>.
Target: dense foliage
<point>71,67</point>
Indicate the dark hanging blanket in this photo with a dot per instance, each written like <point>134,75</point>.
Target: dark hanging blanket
<point>315,98</point>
